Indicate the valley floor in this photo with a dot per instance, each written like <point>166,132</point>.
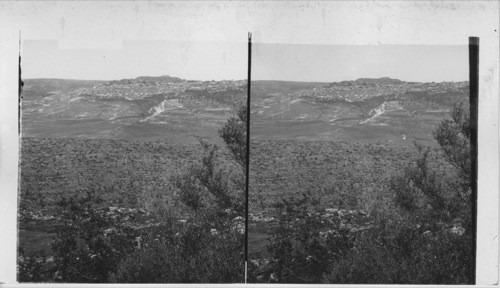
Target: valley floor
<point>128,173</point>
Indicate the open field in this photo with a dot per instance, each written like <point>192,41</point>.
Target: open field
<point>342,175</point>
<point>329,167</point>
<point>55,167</point>
<point>132,173</point>
<point>125,173</point>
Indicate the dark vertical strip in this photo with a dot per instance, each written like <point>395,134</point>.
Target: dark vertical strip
<point>249,80</point>
<point>474,91</point>
<point>19,101</point>
<point>19,91</point>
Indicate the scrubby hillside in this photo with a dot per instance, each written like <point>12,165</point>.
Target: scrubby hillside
<point>144,107</point>
<point>363,110</point>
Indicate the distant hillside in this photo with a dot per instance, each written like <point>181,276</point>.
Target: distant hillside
<point>45,86</point>
<point>366,110</point>
<point>144,107</point>
<point>266,87</point>
<point>383,80</point>
<point>148,79</point>
<point>369,81</point>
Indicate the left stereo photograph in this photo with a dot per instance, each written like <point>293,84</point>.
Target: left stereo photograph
<point>132,164</point>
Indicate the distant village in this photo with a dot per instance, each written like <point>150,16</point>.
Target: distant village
<point>352,91</point>
<point>140,89</point>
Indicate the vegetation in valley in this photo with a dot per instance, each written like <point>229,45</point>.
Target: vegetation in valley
<point>189,231</point>
<point>418,232</point>
<point>347,183</point>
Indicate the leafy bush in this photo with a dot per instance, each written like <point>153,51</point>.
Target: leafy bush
<point>89,243</point>
<point>401,252</point>
<point>298,254</point>
<point>190,253</point>
<point>234,135</point>
<point>208,185</point>
<point>306,241</point>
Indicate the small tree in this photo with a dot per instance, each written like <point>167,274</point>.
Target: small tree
<point>234,135</point>
<point>423,190</point>
<point>211,184</point>
<point>454,138</point>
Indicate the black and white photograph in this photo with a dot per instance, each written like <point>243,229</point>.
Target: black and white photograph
<point>361,167</point>
<point>132,180</point>
<point>249,143</point>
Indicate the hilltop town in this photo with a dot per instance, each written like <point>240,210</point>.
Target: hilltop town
<point>133,89</point>
<point>357,90</point>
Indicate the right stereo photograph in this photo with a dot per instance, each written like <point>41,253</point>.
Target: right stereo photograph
<point>362,164</point>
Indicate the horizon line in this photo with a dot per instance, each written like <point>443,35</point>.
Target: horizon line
<point>253,80</point>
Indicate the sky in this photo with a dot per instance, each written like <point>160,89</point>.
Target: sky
<point>187,60</point>
<point>331,63</point>
<point>228,61</point>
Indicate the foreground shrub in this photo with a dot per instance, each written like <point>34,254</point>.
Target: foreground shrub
<point>189,253</point>
<point>89,242</point>
<point>306,241</point>
<point>401,252</point>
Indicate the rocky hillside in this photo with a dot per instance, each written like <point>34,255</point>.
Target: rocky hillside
<point>144,107</point>
<point>363,110</point>
<point>367,110</point>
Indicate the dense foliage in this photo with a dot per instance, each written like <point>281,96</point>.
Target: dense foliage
<point>423,235</point>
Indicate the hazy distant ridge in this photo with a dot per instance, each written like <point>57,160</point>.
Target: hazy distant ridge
<point>383,80</point>
<point>365,109</point>
<point>148,79</point>
<point>370,81</point>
